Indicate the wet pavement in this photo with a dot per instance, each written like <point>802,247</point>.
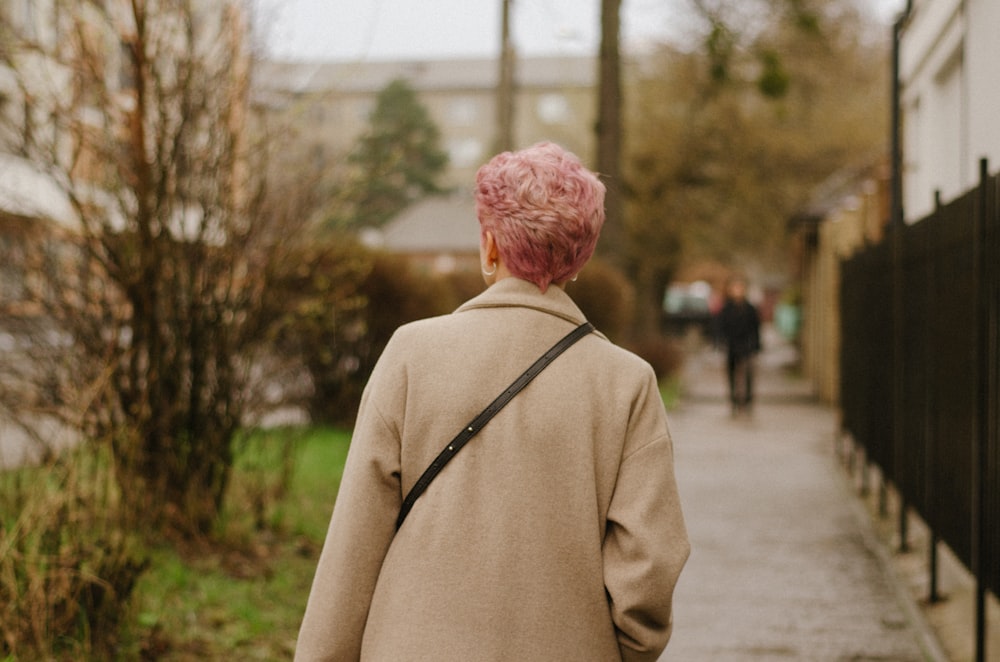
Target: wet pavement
<point>785,562</point>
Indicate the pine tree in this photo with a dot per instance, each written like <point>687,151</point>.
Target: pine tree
<point>395,163</point>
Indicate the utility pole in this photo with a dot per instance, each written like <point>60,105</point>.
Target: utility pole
<point>505,87</point>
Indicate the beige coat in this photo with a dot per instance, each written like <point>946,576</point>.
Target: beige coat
<point>555,534</point>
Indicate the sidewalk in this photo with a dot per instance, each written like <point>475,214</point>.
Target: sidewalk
<point>785,562</point>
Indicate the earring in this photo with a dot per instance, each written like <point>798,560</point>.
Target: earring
<point>574,278</point>
<point>490,273</point>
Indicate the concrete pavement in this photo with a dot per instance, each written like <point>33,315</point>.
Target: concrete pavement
<point>785,562</point>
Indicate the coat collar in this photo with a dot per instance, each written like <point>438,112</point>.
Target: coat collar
<point>514,292</point>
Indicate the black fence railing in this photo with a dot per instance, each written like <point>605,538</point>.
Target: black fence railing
<point>920,387</point>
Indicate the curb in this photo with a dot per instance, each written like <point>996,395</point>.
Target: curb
<point>928,640</point>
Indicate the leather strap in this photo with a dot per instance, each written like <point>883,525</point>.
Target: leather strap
<point>476,424</point>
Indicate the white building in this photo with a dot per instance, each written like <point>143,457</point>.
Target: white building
<point>949,97</point>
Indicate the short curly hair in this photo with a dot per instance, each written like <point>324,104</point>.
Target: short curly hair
<point>544,209</point>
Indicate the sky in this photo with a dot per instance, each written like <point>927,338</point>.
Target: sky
<point>432,29</point>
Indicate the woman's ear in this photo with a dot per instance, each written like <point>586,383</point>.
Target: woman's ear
<point>490,249</point>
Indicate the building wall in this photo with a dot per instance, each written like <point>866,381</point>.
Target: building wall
<point>983,89</point>
<point>324,106</point>
<point>950,104</point>
<point>950,100</point>
<point>856,219</point>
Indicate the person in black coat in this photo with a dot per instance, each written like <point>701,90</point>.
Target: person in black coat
<point>739,329</point>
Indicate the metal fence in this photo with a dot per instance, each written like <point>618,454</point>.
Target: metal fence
<point>920,386</point>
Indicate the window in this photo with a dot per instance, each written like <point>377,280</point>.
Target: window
<point>319,156</point>
<point>126,67</point>
<point>29,21</point>
<point>462,112</point>
<point>465,152</point>
<point>364,108</point>
<point>553,109</point>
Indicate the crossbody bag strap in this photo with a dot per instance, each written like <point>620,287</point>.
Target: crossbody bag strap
<point>475,425</point>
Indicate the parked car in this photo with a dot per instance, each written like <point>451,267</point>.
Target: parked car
<point>686,307</point>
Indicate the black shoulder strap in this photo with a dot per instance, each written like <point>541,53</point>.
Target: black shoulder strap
<point>476,424</point>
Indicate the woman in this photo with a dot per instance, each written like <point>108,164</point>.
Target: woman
<point>556,534</point>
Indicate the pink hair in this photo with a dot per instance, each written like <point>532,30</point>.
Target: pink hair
<point>544,209</point>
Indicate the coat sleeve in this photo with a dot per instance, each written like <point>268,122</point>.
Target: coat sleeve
<point>360,532</point>
<point>646,543</point>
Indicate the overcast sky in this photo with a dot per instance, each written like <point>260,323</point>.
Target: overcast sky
<point>412,29</point>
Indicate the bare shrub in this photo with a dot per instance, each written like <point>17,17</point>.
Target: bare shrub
<point>343,357</point>
<point>605,297</point>
<point>156,303</point>
<point>264,470</point>
<point>660,352</point>
<point>68,561</point>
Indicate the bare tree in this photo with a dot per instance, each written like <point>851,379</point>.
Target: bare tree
<point>738,132</point>
<point>139,112</point>
<point>609,127</point>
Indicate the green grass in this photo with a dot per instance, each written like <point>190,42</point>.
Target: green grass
<point>670,391</point>
<point>318,469</point>
<point>243,595</point>
<point>244,599</point>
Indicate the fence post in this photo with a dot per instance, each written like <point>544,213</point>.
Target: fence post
<point>898,376</point>
<point>981,267</point>
<point>896,225</point>
<point>933,594</point>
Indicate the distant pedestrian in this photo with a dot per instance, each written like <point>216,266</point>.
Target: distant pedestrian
<point>739,330</point>
<point>557,533</point>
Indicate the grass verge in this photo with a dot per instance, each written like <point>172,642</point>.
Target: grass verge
<point>670,391</point>
<point>245,599</point>
<point>242,597</point>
